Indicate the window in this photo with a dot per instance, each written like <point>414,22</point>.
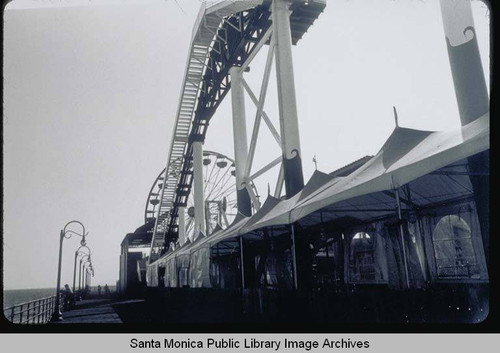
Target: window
<point>362,258</point>
<point>455,256</point>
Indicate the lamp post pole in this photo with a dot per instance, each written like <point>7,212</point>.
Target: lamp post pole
<point>56,315</point>
<point>78,252</point>
<point>80,275</point>
<point>74,271</point>
<point>80,272</point>
<point>85,271</point>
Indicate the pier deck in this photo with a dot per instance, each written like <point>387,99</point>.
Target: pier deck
<point>95,311</point>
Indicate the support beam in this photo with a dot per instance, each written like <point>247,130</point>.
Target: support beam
<point>240,140</point>
<point>279,183</point>
<point>242,259</point>
<point>465,60</point>
<point>199,199</point>
<point>257,48</point>
<point>472,96</point>
<point>401,232</point>
<point>255,201</point>
<point>125,266</point>
<point>290,142</point>
<point>182,225</point>
<point>260,107</point>
<point>294,257</point>
<point>264,116</point>
<point>265,169</point>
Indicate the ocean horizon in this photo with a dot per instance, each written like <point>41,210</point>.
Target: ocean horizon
<point>17,296</point>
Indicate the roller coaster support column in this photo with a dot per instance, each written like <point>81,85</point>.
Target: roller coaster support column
<point>182,225</point>
<point>240,140</point>
<point>199,199</point>
<point>290,142</point>
<point>472,96</point>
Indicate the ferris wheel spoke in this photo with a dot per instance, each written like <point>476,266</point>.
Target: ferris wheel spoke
<point>221,193</point>
<point>225,173</point>
<point>209,177</point>
<point>214,183</point>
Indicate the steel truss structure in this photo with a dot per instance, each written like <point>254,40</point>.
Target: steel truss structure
<point>226,35</point>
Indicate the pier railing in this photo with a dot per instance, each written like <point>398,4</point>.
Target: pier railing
<point>34,312</point>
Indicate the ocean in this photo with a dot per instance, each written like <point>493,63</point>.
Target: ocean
<point>18,296</point>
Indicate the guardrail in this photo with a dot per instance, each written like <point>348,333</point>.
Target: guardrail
<point>34,312</point>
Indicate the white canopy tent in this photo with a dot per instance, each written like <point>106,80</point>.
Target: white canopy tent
<point>406,156</point>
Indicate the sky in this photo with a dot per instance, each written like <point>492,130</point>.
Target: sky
<point>91,90</point>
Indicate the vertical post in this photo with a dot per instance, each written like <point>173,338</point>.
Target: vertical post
<point>74,271</point>
<point>465,60</point>
<point>124,266</point>
<point>472,96</point>
<point>57,316</point>
<point>240,140</point>
<point>290,142</point>
<point>401,232</point>
<point>12,314</point>
<point>218,268</point>
<point>45,307</point>
<point>294,258</point>
<point>80,275</point>
<point>182,225</point>
<point>199,203</point>
<point>345,252</point>
<point>242,264</point>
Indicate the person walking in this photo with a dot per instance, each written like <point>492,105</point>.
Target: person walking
<point>69,297</point>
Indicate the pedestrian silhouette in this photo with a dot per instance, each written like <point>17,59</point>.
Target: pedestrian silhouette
<point>69,298</point>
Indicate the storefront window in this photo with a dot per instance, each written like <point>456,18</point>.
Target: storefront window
<point>454,252</point>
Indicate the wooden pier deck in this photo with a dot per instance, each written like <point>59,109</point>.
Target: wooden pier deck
<point>95,311</point>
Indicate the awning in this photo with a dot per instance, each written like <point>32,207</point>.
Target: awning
<point>434,163</point>
<point>280,212</point>
<point>407,155</point>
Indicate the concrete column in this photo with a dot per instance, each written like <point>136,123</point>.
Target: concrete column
<point>471,93</point>
<point>182,225</point>
<point>290,142</point>
<point>465,60</point>
<point>240,140</point>
<point>199,199</point>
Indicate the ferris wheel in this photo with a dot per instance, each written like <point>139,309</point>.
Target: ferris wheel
<point>219,195</point>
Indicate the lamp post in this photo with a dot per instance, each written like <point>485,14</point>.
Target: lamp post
<point>57,316</point>
<point>80,280</point>
<point>85,275</point>
<point>90,274</point>
<point>85,271</point>
<point>78,252</point>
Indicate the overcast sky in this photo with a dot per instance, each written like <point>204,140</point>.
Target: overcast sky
<point>91,90</point>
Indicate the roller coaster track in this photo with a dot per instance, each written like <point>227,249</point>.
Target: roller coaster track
<point>226,34</point>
